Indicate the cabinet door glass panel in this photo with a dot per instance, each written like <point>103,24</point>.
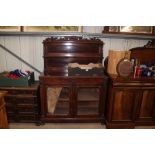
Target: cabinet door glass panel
<point>88,101</point>
<point>58,100</point>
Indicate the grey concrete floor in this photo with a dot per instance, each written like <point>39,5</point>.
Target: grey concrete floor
<point>65,126</point>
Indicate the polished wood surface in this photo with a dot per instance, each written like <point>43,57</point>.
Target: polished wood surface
<point>146,110</point>
<point>74,84</point>
<point>130,103</point>
<point>3,115</point>
<point>81,107</point>
<point>146,54</point>
<point>60,51</point>
<point>131,100</point>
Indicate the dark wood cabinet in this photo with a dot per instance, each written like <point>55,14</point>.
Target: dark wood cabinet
<point>22,103</point>
<point>76,96</point>
<point>130,102</point>
<point>73,99</point>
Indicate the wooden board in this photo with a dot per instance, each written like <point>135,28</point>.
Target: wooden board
<point>114,57</point>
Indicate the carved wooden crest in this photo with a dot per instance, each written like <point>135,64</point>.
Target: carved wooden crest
<point>73,38</point>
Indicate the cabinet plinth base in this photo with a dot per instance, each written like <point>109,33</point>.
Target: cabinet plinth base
<point>121,125</point>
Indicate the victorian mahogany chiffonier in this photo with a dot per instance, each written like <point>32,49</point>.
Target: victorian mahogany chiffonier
<point>131,100</point>
<point>73,94</point>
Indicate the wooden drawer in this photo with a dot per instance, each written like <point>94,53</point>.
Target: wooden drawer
<point>21,92</point>
<point>26,118</point>
<point>26,108</point>
<point>25,100</point>
<point>89,81</point>
<point>18,105</point>
<point>21,99</point>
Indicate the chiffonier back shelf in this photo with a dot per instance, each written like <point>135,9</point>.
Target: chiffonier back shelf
<point>58,52</point>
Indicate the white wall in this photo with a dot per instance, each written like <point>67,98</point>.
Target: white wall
<point>30,49</point>
<point>121,44</point>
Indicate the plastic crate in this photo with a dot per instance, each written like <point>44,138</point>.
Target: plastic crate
<point>19,82</point>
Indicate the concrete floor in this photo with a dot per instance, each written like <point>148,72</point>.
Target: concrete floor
<point>65,126</point>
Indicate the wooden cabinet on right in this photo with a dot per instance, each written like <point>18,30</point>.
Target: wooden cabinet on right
<point>130,102</point>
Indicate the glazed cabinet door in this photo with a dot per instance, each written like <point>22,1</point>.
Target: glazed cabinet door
<point>72,99</point>
<point>146,113</point>
<point>89,100</point>
<point>56,96</point>
<point>58,100</point>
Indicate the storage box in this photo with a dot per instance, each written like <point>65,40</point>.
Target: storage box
<point>20,82</point>
<point>91,69</point>
<point>83,72</point>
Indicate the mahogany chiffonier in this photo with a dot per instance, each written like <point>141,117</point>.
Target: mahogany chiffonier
<point>75,97</point>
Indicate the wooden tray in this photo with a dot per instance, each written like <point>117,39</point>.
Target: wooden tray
<point>124,67</point>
